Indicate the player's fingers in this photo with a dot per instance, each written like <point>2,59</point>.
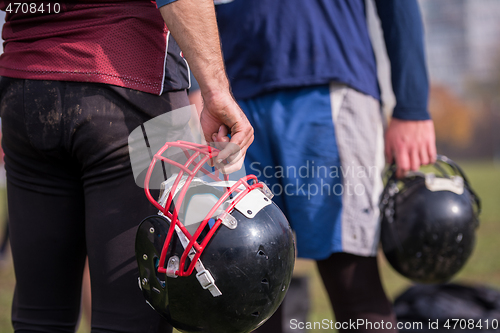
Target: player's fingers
<point>233,163</point>
<point>424,156</point>
<point>242,134</point>
<point>230,157</point>
<point>229,151</point>
<point>220,139</point>
<point>402,162</point>
<point>431,150</point>
<point>221,136</point>
<point>414,159</point>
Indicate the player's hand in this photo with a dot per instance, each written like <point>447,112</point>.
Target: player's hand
<point>410,144</point>
<point>220,117</point>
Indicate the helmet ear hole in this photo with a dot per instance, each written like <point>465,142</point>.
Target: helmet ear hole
<point>261,252</point>
<point>160,277</point>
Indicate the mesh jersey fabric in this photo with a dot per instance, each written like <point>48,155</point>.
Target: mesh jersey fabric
<point>123,43</point>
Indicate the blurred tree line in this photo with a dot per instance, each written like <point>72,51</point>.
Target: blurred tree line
<point>468,127</point>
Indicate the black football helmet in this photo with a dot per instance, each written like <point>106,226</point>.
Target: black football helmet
<point>219,255</point>
<point>429,220</point>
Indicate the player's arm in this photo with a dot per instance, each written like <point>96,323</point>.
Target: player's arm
<point>410,138</point>
<point>193,25</point>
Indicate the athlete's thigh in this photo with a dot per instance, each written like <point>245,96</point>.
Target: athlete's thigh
<point>46,211</point>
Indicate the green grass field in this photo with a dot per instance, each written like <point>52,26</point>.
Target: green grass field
<point>483,267</point>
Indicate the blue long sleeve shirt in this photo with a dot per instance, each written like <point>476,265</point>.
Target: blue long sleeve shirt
<point>276,44</point>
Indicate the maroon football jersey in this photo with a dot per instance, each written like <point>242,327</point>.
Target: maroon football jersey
<point>124,43</point>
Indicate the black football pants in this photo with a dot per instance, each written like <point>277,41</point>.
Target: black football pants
<point>71,193</point>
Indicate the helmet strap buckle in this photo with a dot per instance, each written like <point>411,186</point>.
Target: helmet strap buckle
<point>207,282</point>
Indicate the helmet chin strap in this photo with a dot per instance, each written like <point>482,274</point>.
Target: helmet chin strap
<point>204,277</point>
